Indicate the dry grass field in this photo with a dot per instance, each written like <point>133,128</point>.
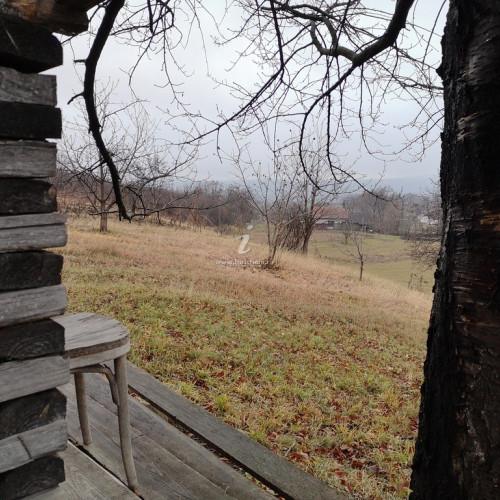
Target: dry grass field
<point>307,360</point>
<point>385,256</point>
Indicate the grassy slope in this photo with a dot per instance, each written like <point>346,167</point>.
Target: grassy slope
<point>318,367</point>
<point>385,256</point>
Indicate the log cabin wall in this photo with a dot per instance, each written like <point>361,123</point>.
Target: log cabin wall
<point>32,410</point>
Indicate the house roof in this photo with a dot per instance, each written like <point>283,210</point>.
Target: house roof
<point>331,212</point>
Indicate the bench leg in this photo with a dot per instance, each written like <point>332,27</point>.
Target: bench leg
<point>82,407</point>
<point>124,422</point>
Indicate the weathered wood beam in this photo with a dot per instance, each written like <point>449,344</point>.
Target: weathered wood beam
<point>32,232</point>
<point>58,493</point>
<point>20,449</point>
<point>68,19</point>
<point>26,413</point>
<point>30,10</point>
<point>26,196</point>
<point>39,475</point>
<point>27,47</point>
<point>87,479</point>
<point>32,238</point>
<point>81,4</point>
<point>29,89</point>
<point>31,340</point>
<point>27,159</point>
<point>21,270</point>
<point>62,16</point>
<point>29,121</point>
<point>21,378</point>
<point>32,220</point>
<point>33,304</point>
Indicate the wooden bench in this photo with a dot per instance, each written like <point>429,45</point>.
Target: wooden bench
<point>92,342</point>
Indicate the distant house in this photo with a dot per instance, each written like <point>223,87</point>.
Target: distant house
<point>335,217</point>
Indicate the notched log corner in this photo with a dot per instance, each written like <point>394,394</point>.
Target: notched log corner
<point>68,17</point>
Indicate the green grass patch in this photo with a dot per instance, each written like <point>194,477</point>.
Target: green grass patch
<point>385,256</point>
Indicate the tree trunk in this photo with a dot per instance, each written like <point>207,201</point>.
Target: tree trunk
<point>457,450</point>
<point>103,228</point>
<point>306,238</point>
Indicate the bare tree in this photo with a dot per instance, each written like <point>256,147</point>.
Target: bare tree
<point>316,189</point>
<point>272,192</point>
<point>288,199</point>
<point>145,164</point>
<point>231,206</point>
<point>355,235</point>
<point>425,233</point>
<point>381,209</point>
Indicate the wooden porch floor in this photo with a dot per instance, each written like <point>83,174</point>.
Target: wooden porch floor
<point>172,464</point>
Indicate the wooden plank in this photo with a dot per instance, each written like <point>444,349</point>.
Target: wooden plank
<point>178,444</point>
<point>27,159</point>
<point>31,340</point>
<point>32,232</point>
<point>274,471</point>
<point>36,476</point>
<point>31,10</point>
<point>27,47</point>
<point>20,449</point>
<point>22,414</point>
<point>160,469</point>
<point>21,270</point>
<point>160,474</point>
<point>33,238</point>
<point>68,18</point>
<point>29,121</point>
<point>26,196</point>
<point>23,221</point>
<point>32,304</point>
<point>85,479</point>
<point>29,89</point>
<point>21,378</point>
<point>52,494</point>
<point>81,4</point>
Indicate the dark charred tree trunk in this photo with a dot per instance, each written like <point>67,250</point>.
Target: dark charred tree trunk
<point>458,446</point>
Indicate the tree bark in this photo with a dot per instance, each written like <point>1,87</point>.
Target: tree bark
<point>457,450</point>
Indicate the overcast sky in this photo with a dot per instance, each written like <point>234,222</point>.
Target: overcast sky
<point>202,94</point>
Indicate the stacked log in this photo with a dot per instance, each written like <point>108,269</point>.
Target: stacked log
<point>32,365</point>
